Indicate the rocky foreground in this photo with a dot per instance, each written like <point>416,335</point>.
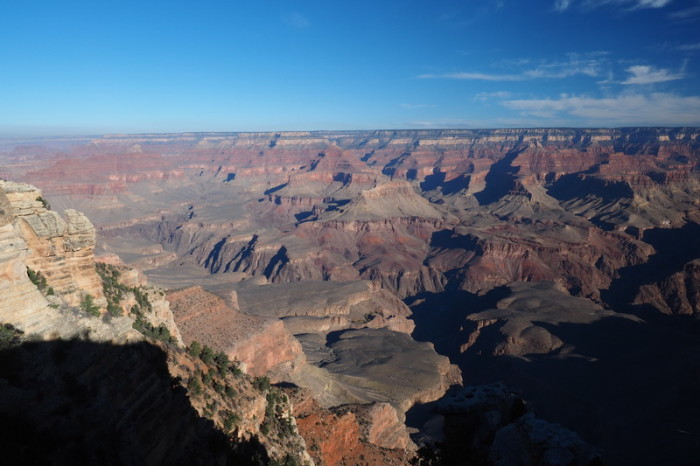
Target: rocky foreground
<point>384,266</point>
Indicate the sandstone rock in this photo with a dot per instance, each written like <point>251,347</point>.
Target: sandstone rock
<point>314,307</point>
<point>62,252</point>
<point>386,430</point>
<point>339,435</point>
<point>525,314</point>
<point>361,366</point>
<point>260,345</point>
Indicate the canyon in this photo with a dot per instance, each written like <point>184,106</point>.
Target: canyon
<point>382,276</point>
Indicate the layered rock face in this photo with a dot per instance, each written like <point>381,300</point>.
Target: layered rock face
<point>261,345</point>
<point>392,368</point>
<point>33,237</point>
<point>412,210</point>
<point>353,434</point>
<point>62,250</point>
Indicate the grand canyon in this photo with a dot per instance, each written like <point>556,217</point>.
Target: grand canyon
<point>501,296</point>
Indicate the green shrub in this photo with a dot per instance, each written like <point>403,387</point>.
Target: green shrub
<point>44,203</point>
<point>261,383</point>
<point>160,333</point>
<point>207,355</point>
<point>229,420</point>
<point>113,309</point>
<point>9,336</point>
<point>194,386</point>
<point>87,305</point>
<point>195,349</point>
<point>39,281</point>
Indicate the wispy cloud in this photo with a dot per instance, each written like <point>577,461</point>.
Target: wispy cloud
<point>689,47</point>
<point>296,20</point>
<point>562,5</point>
<point>686,14</point>
<point>484,96</point>
<point>474,76</point>
<point>414,106</point>
<point>629,109</point>
<point>642,74</point>
<point>576,65</point>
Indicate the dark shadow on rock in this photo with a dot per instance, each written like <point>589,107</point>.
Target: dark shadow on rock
<point>448,239</point>
<point>674,246</point>
<point>80,402</point>
<point>275,189</point>
<point>440,318</point>
<point>500,179</point>
<point>278,261</point>
<point>437,180</point>
<point>628,387</point>
<point>575,185</point>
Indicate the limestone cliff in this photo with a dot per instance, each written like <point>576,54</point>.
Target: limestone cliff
<point>61,249</point>
<point>22,304</point>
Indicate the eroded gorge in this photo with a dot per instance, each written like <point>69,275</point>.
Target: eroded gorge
<point>427,278</point>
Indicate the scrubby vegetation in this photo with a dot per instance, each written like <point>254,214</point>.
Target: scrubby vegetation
<point>276,418</point>
<point>217,386</point>
<point>88,306</point>
<point>220,389</point>
<point>9,336</point>
<point>261,383</point>
<point>44,202</point>
<point>39,281</point>
<point>117,293</point>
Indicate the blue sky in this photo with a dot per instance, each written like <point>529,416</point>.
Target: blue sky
<point>87,67</point>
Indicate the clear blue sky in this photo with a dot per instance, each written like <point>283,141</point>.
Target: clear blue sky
<point>154,66</point>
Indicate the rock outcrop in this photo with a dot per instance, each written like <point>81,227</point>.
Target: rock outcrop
<point>324,307</point>
<point>490,424</point>
<point>524,316</point>
<point>22,304</point>
<point>261,345</point>
<point>352,434</point>
<point>62,250</point>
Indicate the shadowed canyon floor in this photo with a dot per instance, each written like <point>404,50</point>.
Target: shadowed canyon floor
<point>563,262</point>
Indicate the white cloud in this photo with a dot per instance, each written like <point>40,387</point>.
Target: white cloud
<point>689,47</point>
<point>562,5</point>
<point>642,74</point>
<point>657,109</point>
<point>686,14</point>
<point>588,65</point>
<point>297,20</point>
<point>474,76</point>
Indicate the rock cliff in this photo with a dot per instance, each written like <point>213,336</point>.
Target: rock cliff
<point>88,385</point>
<point>62,250</point>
